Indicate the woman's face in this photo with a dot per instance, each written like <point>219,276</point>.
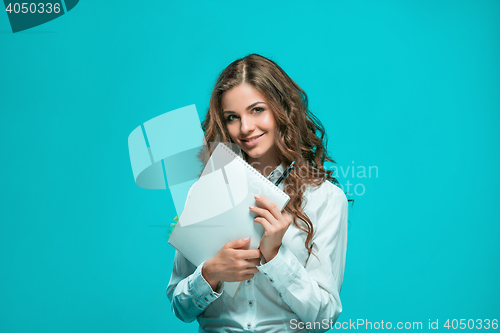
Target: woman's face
<point>250,123</point>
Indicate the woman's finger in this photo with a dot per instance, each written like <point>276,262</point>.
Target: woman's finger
<point>254,262</point>
<point>247,276</point>
<point>263,213</point>
<point>265,223</point>
<point>269,205</point>
<point>251,270</point>
<point>249,254</point>
<point>238,243</point>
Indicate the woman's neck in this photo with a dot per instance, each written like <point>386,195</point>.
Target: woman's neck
<point>265,164</point>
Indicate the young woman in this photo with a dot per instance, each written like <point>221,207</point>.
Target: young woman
<point>292,282</point>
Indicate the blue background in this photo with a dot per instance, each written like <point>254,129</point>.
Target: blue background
<point>411,87</point>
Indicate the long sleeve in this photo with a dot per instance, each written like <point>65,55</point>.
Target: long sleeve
<point>312,291</point>
<point>189,293</point>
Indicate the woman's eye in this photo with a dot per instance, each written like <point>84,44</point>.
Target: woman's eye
<point>229,118</point>
<point>258,110</point>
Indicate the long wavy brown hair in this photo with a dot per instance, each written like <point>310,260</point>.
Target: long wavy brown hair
<point>300,135</point>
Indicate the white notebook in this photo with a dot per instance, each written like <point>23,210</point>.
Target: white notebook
<point>216,210</point>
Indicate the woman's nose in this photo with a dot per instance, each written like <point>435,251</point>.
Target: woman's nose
<point>247,125</point>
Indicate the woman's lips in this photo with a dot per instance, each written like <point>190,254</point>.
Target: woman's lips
<point>253,142</point>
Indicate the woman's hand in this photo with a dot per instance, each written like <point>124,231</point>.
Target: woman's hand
<point>275,225</point>
<point>234,262</point>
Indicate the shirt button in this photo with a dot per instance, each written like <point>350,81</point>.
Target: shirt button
<point>206,299</point>
<point>250,303</point>
<point>271,280</point>
<point>199,305</point>
<point>249,325</point>
<point>280,294</point>
<point>249,281</point>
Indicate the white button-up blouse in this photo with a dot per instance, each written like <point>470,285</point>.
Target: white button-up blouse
<point>293,292</point>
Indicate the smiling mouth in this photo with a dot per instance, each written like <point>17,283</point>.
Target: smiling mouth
<point>254,139</point>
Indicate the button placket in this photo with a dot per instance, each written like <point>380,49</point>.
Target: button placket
<point>251,306</point>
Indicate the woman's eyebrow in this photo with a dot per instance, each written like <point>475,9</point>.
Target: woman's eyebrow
<point>248,107</point>
<point>254,104</point>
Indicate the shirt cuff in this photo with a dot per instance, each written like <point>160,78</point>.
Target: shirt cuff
<point>199,287</point>
<point>282,269</point>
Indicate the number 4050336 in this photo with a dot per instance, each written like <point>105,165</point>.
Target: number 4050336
<point>32,7</point>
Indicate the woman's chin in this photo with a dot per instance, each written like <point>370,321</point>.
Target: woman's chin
<point>254,156</point>
<point>253,153</point>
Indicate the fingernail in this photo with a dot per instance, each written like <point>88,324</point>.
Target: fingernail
<point>251,207</point>
<point>245,239</point>
<point>257,196</point>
